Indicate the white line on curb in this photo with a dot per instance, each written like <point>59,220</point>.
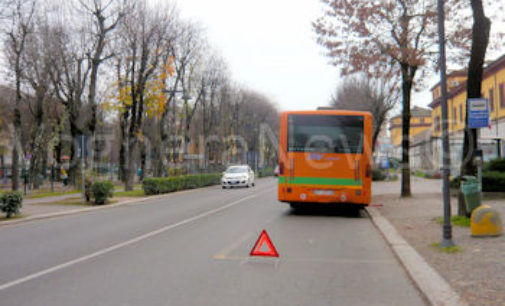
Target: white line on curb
<point>121,245</point>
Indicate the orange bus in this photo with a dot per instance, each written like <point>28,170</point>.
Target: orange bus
<point>325,156</point>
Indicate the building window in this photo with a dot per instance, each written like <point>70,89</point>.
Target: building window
<point>422,120</point>
<point>502,97</point>
<point>461,113</point>
<point>491,99</point>
<point>454,116</point>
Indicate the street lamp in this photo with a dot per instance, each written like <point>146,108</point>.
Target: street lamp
<point>447,229</point>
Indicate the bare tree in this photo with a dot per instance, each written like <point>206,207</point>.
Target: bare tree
<point>187,49</point>
<point>376,96</point>
<point>21,26</point>
<point>385,39</point>
<point>106,15</point>
<point>37,70</point>
<point>144,39</point>
<point>69,75</point>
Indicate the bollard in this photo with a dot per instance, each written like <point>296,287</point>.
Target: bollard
<point>485,222</point>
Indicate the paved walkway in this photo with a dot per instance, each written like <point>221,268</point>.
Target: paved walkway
<point>42,206</point>
<point>46,205</point>
<point>477,273</point>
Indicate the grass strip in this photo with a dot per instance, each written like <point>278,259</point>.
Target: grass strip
<point>462,221</point>
<point>449,250</point>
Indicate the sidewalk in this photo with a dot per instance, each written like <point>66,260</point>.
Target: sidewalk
<point>477,272</point>
<point>41,206</point>
<point>47,205</point>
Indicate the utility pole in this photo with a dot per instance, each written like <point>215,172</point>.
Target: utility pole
<point>446,158</point>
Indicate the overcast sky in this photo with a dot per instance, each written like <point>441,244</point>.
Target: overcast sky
<point>270,46</point>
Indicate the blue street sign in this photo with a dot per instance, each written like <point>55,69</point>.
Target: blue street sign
<point>478,113</point>
<point>385,163</point>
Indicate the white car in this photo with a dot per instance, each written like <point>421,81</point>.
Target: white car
<point>241,175</point>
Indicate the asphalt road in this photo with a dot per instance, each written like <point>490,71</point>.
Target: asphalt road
<point>191,248</point>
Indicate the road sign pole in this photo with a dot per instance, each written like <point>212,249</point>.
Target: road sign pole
<point>446,229</point>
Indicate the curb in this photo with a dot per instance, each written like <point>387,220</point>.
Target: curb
<point>435,289</point>
<point>99,207</point>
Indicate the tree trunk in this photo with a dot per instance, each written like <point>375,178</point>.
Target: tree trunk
<point>122,167</point>
<point>2,165</point>
<point>374,138</point>
<point>15,154</point>
<point>406,90</point>
<point>143,156</point>
<point>97,158</point>
<point>91,96</point>
<point>131,169</point>
<point>17,138</point>
<point>57,154</point>
<point>159,149</point>
<point>174,140</point>
<point>74,159</point>
<point>480,41</point>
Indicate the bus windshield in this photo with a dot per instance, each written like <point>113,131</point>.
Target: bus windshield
<point>325,133</point>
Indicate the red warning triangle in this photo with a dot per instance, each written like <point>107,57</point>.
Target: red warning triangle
<point>262,240</point>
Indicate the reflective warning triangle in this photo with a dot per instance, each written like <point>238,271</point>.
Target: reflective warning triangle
<point>264,240</point>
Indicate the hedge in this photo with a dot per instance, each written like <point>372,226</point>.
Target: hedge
<point>493,181</point>
<point>495,165</point>
<point>159,185</point>
<point>378,175</point>
<point>268,171</point>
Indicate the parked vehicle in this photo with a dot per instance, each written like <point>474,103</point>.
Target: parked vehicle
<point>325,156</point>
<point>237,176</point>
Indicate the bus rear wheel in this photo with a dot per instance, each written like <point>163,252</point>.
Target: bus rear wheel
<point>295,205</point>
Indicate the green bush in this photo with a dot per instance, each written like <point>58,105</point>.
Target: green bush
<point>160,185</point>
<point>493,181</point>
<point>419,173</point>
<point>11,202</point>
<point>495,165</point>
<point>102,191</point>
<point>268,171</point>
<point>378,175</point>
<point>455,183</point>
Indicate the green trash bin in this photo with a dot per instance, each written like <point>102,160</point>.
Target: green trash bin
<point>471,192</point>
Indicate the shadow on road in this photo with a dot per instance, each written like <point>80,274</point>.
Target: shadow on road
<point>328,211</point>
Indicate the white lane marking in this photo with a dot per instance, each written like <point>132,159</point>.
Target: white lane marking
<point>223,254</point>
<point>121,245</point>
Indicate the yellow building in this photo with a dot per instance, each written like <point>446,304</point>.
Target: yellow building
<point>420,121</point>
<point>426,145</point>
<point>493,89</point>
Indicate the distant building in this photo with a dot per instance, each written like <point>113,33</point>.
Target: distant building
<point>425,139</point>
<point>493,89</point>
<point>420,121</point>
